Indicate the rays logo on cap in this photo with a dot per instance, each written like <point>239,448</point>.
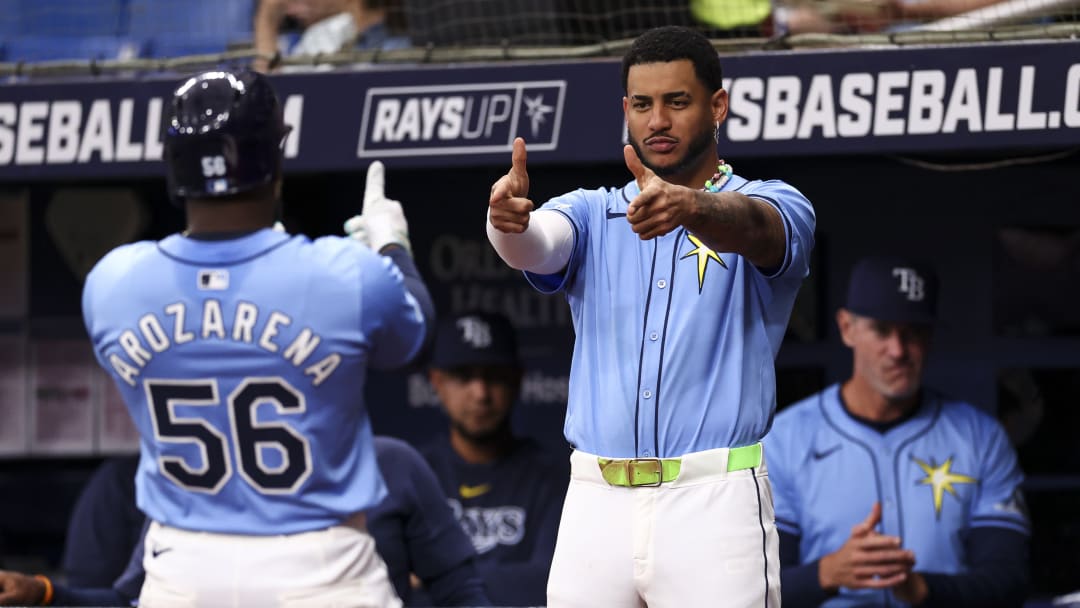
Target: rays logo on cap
<point>893,289</point>
<point>911,284</point>
<point>475,332</point>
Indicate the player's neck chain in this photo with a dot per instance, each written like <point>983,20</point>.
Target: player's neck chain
<point>721,177</point>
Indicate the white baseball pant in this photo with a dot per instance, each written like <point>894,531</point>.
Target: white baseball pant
<point>335,567</point>
<point>706,539</point>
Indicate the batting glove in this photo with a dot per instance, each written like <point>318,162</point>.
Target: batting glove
<point>356,228</point>
<point>382,220</point>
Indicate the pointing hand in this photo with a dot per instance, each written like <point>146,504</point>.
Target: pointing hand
<point>660,207</point>
<point>382,220</point>
<point>509,206</point>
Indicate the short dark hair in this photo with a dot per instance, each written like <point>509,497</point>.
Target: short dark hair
<point>672,43</point>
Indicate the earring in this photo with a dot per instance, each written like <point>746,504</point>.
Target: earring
<point>716,131</point>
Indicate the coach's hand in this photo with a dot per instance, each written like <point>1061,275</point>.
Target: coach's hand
<point>18,589</point>
<point>660,207</point>
<point>868,560</point>
<point>509,206</point>
<point>382,220</point>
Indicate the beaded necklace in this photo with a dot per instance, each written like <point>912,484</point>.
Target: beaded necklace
<point>721,177</point>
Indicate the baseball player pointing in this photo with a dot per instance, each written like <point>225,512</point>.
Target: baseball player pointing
<point>680,284</point>
<point>240,352</point>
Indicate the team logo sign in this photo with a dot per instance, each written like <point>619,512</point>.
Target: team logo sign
<point>461,119</point>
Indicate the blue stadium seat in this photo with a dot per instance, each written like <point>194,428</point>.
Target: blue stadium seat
<point>49,48</point>
<point>169,44</point>
<point>179,27</point>
<point>9,18</point>
<point>72,17</point>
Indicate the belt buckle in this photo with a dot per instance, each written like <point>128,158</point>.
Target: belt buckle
<point>630,466</point>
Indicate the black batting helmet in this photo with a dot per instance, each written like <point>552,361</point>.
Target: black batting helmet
<point>223,135</point>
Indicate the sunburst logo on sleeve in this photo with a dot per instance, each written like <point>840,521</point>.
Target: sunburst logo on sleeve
<point>704,254</point>
<point>941,479</point>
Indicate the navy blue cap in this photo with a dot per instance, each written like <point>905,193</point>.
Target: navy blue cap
<point>474,338</point>
<point>893,289</point>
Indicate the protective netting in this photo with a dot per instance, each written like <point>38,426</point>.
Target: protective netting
<point>140,33</point>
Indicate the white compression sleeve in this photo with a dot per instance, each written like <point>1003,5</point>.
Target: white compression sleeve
<point>544,247</point>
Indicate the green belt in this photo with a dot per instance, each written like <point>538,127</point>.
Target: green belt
<point>634,472</point>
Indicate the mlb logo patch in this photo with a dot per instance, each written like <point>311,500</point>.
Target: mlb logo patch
<point>213,280</point>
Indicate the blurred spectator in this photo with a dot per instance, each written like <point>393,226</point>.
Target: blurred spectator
<point>327,26</point>
<point>734,18</point>
<point>867,16</point>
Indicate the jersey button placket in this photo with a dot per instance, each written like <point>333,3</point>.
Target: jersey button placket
<point>651,366</point>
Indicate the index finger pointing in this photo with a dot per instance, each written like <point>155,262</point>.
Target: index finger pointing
<point>376,183</point>
<point>519,156</point>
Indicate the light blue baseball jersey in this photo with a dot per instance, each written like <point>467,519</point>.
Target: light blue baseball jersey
<point>242,363</point>
<point>675,343</point>
<point>946,469</point>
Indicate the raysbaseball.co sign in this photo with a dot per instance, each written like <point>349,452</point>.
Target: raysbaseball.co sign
<point>891,103</point>
<point>460,119</point>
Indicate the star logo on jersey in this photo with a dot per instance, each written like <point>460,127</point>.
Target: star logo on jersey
<point>940,478</point>
<point>468,492</point>
<point>704,254</point>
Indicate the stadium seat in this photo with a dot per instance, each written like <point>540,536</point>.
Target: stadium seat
<point>50,48</point>
<point>72,17</point>
<point>9,19</point>
<point>182,27</point>
<point>169,44</point>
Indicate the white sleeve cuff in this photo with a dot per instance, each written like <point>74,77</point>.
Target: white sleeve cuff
<point>544,247</point>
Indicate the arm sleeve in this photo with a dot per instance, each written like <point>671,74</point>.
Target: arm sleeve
<point>544,247</point>
<point>997,574</point>
<point>397,319</point>
<point>799,581</point>
<point>414,284</point>
<point>105,526</point>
